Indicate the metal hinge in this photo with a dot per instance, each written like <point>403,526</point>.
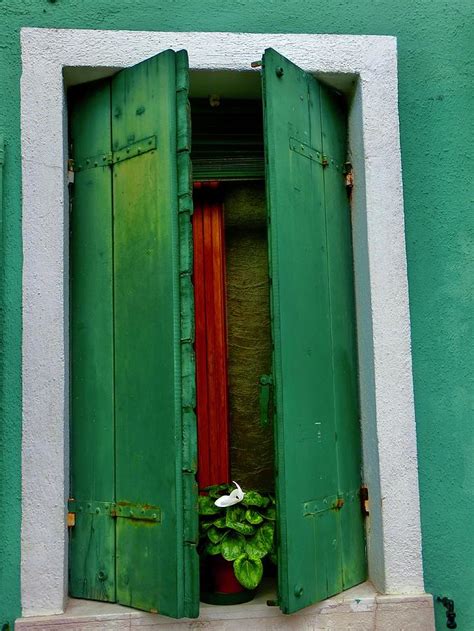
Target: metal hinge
<point>313,154</point>
<point>125,510</point>
<point>364,500</point>
<point>348,177</point>
<point>336,502</point>
<point>113,157</point>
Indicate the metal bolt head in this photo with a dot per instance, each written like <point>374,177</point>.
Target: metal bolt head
<point>279,72</point>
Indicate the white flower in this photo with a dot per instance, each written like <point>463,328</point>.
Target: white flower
<point>235,497</point>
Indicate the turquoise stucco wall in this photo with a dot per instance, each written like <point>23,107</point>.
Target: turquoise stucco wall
<point>435,42</point>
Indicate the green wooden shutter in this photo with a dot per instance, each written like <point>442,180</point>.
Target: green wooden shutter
<point>151,424</point>
<point>320,529</point>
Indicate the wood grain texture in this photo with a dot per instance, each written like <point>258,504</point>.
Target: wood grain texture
<point>153,568</point>
<point>344,342</point>
<point>133,379</point>
<point>308,290</point>
<point>92,464</point>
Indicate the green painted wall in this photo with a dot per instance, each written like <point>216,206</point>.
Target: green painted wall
<point>435,42</point>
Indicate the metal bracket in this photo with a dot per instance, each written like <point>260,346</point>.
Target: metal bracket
<point>266,383</point>
<point>336,502</point>
<point>313,154</point>
<point>315,507</point>
<point>134,149</point>
<point>125,510</point>
<point>114,157</point>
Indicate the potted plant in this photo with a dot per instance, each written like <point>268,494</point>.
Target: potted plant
<point>236,535</point>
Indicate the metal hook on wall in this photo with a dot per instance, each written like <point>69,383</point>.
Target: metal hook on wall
<point>448,603</point>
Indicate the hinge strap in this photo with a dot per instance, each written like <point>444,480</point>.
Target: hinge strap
<point>114,157</point>
<point>314,154</point>
<point>116,509</point>
<point>330,502</point>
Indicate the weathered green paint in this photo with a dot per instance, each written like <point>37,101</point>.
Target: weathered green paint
<point>151,564</point>
<point>92,472</point>
<point>434,47</point>
<point>321,552</point>
<point>133,428</point>
<point>343,336</point>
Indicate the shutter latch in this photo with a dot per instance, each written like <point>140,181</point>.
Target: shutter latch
<point>266,383</point>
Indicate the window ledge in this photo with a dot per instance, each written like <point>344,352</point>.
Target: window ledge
<point>360,608</point>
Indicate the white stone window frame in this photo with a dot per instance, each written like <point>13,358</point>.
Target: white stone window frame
<point>365,67</point>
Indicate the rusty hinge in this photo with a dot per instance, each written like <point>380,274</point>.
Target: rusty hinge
<point>364,500</point>
<point>336,502</point>
<point>348,177</point>
<point>71,520</point>
<point>114,157</point>
<point>125,510</point>
<point>314,154</point>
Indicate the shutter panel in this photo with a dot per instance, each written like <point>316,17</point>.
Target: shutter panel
<point>92,540</point>
<point>133,450</point>
<point>157,564</point>
<point>321,544</point>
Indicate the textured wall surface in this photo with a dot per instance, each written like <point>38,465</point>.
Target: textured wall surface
<point>435,98</point>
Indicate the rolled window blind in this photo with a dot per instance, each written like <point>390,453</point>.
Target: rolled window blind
<point>227,140</point>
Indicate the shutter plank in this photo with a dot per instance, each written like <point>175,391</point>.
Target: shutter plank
<point>155,570</point>
<point>92,539</point>
<point>345,370</point>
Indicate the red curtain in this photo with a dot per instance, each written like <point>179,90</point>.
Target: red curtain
<point>211,335</point>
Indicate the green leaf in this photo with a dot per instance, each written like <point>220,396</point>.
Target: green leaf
<point>232,545</point>
<point>212,548</point>
<point>254,498</point>
<point>206,506</point>
<point>235,513</point>
<point>253,516</point>
<point>205,525</point>
<point>219,522</point>
<point>248,572</point>
<point>270,513</point>
<point>240,526</point>
<point>254,548</point>
<point>215,535</point>
<point>265,535</point>
<point>217,490</point>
